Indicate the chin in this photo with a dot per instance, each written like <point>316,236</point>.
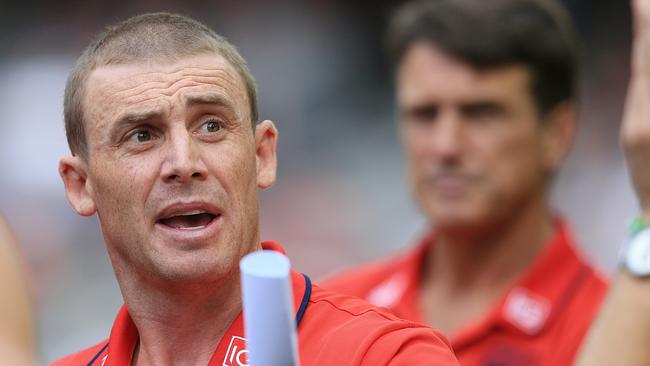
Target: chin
<point>191,267</point>
<point>457,217</point>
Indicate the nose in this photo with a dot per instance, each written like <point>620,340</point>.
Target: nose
<point>184,161</point>
<point>446,136</point>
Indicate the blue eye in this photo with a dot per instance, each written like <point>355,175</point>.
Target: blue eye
<point>211,126</point>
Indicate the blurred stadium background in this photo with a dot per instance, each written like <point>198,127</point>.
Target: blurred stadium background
<point>341,197</point>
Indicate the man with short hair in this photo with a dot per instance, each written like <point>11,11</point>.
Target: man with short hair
<point>486,99</point>
<point>160,114</point>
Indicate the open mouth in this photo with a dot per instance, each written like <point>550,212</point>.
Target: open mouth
<point>188,221</point>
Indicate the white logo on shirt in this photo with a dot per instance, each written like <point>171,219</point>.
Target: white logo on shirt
<point>237,354</point>
<point>388,292</point>
<point>526,310</point>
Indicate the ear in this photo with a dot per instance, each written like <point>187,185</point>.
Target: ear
<point>266,137</point>
<point>73,171</point>
<point>559,129</point>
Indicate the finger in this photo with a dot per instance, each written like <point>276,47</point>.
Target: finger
<point>640,15</point>
<point>641,45</point>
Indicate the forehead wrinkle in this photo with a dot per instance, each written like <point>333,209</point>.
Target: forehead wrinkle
<point>232,100</point>
<point>171,87</point>
<point>170,70</point>
<point>222,76</point>
<point>218,92</point>
<point>174,73</point>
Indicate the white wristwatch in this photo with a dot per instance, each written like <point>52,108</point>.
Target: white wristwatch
<point>636,256</point>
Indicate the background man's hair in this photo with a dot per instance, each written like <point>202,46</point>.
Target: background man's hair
<point>485,34</point>
<point>151,38</point>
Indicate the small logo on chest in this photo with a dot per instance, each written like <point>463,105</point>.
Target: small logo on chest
<point>237,354</point>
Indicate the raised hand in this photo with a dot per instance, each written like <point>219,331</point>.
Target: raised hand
<point>635,130</point>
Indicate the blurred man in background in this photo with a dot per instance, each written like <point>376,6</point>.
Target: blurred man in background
<point>161,118</point>
<point>621,334</point>
<point>17,339</point>
<point>486,99</point>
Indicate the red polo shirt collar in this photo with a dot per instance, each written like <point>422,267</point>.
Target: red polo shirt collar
<point>528,306</point>
<point>124,334</point>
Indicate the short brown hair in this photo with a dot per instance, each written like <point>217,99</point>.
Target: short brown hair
<point>153,36</point>
<point>485,34</point>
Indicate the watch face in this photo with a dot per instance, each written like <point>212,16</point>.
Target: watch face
<point>638,255</point>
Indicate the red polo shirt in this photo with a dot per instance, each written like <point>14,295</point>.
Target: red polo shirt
<point>540,320</point>
<point>333,329</point>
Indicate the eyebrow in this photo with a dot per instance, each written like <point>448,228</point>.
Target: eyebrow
<point>132,118</point>
<point>215,99</point>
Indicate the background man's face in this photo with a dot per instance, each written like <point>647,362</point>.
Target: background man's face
<point>172,166</point>
<point>472,139</point>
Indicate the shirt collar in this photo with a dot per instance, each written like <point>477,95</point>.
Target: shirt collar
<point>533,301</point>
<point>124,334</point>
<point>529,305</point>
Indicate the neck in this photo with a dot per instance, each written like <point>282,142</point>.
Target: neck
<point>182,326</point>
<point>468,271</point>
<point>489,258</point>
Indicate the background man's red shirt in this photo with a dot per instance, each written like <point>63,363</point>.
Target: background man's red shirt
<point>540,320</point>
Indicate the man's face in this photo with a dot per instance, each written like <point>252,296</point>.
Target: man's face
<point>173,167</point>
<point>473,140</point>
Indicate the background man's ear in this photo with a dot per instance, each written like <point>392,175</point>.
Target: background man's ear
<point>73,171</point>
<point>559,133</point>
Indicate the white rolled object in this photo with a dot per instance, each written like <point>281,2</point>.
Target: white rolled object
<point>269,320</point>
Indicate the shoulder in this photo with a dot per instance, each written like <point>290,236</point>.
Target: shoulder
<point>84,357</point>
<point>577,315</point>
<point>584,291</point>
<point>359,280</point>
<point>584,284</point>
<point>588,296</point>
<point>596,282</point>
<point>339,329</point>
<point>591,286</point>
<point>593,283</point>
